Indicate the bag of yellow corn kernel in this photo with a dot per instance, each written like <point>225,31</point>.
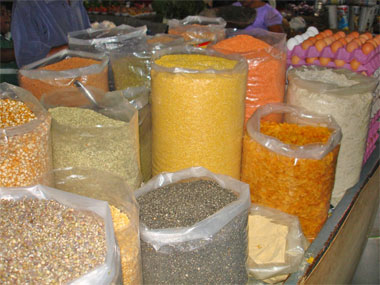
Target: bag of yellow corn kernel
<point>197,110</point>
<point>290,165</point>
<point>61,69</point>
<point>139,97</point>
<point>25,150</point>
<point>199,30</point>
<point>105,186</point>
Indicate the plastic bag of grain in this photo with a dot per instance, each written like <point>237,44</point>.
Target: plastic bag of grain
<point>131,64</point>
<point>139,98</point>
<point>290,165</point>
<point>25,149</point>
<point>197,110</point>
<point>266,56</point>
<point>276,244</point>
<point>105,186</point>
<point>199,29</point>
<point>193,228</point>
<point>61,69</point>
<point>69,237</point>
<point>105,138</point>
<point>103,40</point>
<point>345,95</point>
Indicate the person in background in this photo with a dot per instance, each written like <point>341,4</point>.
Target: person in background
<point>40,27</point>
<point>8,66</point>
<point>267,17</point>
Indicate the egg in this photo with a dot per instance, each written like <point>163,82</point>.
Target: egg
<point>310,60</point>
<point>362,39</point>
<point>299,39</point>
<point>320,45</point>
<point>354,34</point>
<point>373,42</point>
<point>352,46</point>
<point>329,40</point>
<point>306,44</point>
<point>358,41</point>
<point>367,48</point>
<point>324,60</point>
<point>349,38</point>
<point>336,45</point>
<point>313,40</point>
<point>291,43</point>
<point>354,64</point>
<point>367,35</point>
<point>336,36</point>
<point>328,32</point>
<point>343,41</point>
<point>312,29</point>
<point>377,39</point>
<point>339,62</point>
<point>319,37</point>
<point>341,34</point>
<point>295,59</point>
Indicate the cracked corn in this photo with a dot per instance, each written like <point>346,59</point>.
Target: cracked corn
<point>197,118</point>
<point>297,186</point>
<point>24,153</point>
<point>40,86</point>
<point>48,242</point>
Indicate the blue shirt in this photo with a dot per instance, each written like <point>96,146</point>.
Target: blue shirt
<point>39,25</point>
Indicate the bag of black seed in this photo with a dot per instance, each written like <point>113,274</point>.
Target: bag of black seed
<point>104,186</point>
<point>193,228</point>
<point>56,237</point>
<point>139,98</point>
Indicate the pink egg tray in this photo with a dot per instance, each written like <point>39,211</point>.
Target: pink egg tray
<point>369,63</point>
<point>373,135</point>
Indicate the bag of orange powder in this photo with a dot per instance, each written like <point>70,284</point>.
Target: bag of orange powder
<point>266,55</point>
<point>290,165</point>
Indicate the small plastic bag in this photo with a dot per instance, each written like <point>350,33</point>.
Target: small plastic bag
<point>104,186</point>
<point>186,254</point>
<point>276,244</point>
<point>105,138</point>
<point>139,98</point>
<point>25,150</point>
<point>266,59</point>
<point>67,66</point>
<point>297,177</point>
<point>199,29</point>
<point>106,273</point>
<point>348,97</point>
<point>103,40</point>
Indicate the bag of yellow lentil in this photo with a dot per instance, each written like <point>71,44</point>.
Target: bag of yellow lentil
<point>105,186</point>
<point>197,110</point>
<point>290,165</point>
<point>105,138</point>
<point>61,69</point>
<point>103,40</point>
<point>53,223</point>
<point>139,97</point>
<point>199,29</point>
<point>25,149</point>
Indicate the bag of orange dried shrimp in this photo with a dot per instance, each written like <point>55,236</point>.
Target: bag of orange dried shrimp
<point>290,165</point>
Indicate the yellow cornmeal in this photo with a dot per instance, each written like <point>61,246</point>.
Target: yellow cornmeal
<point>197,118</point>
<point>196,61</point>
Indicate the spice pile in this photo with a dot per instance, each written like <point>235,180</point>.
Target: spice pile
<point>48,242</point>
<point>25,153</point>
<point>217,260</point>
<point>197,116</point>
<point>297,186</point>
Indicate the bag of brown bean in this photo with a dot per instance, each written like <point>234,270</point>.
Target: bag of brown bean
<point>25,150</point>
<point>61,238</point>
<point>61,70</point>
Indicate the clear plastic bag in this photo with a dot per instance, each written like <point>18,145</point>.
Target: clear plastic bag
<point>266,59</point>
<point>197,110</point>
<point>161,41</point>
<point>345,95</point>
<point>104,40</point>
<point>91,70</point>
<point>25,150</point>
<point>106,273</point>
<point>199,29</point>
<point>104,138</point>
<point>297,177</point>
<point>276,243</point>
<point>139,98</point>
<point>184,255</point>
<point>124,211</point>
